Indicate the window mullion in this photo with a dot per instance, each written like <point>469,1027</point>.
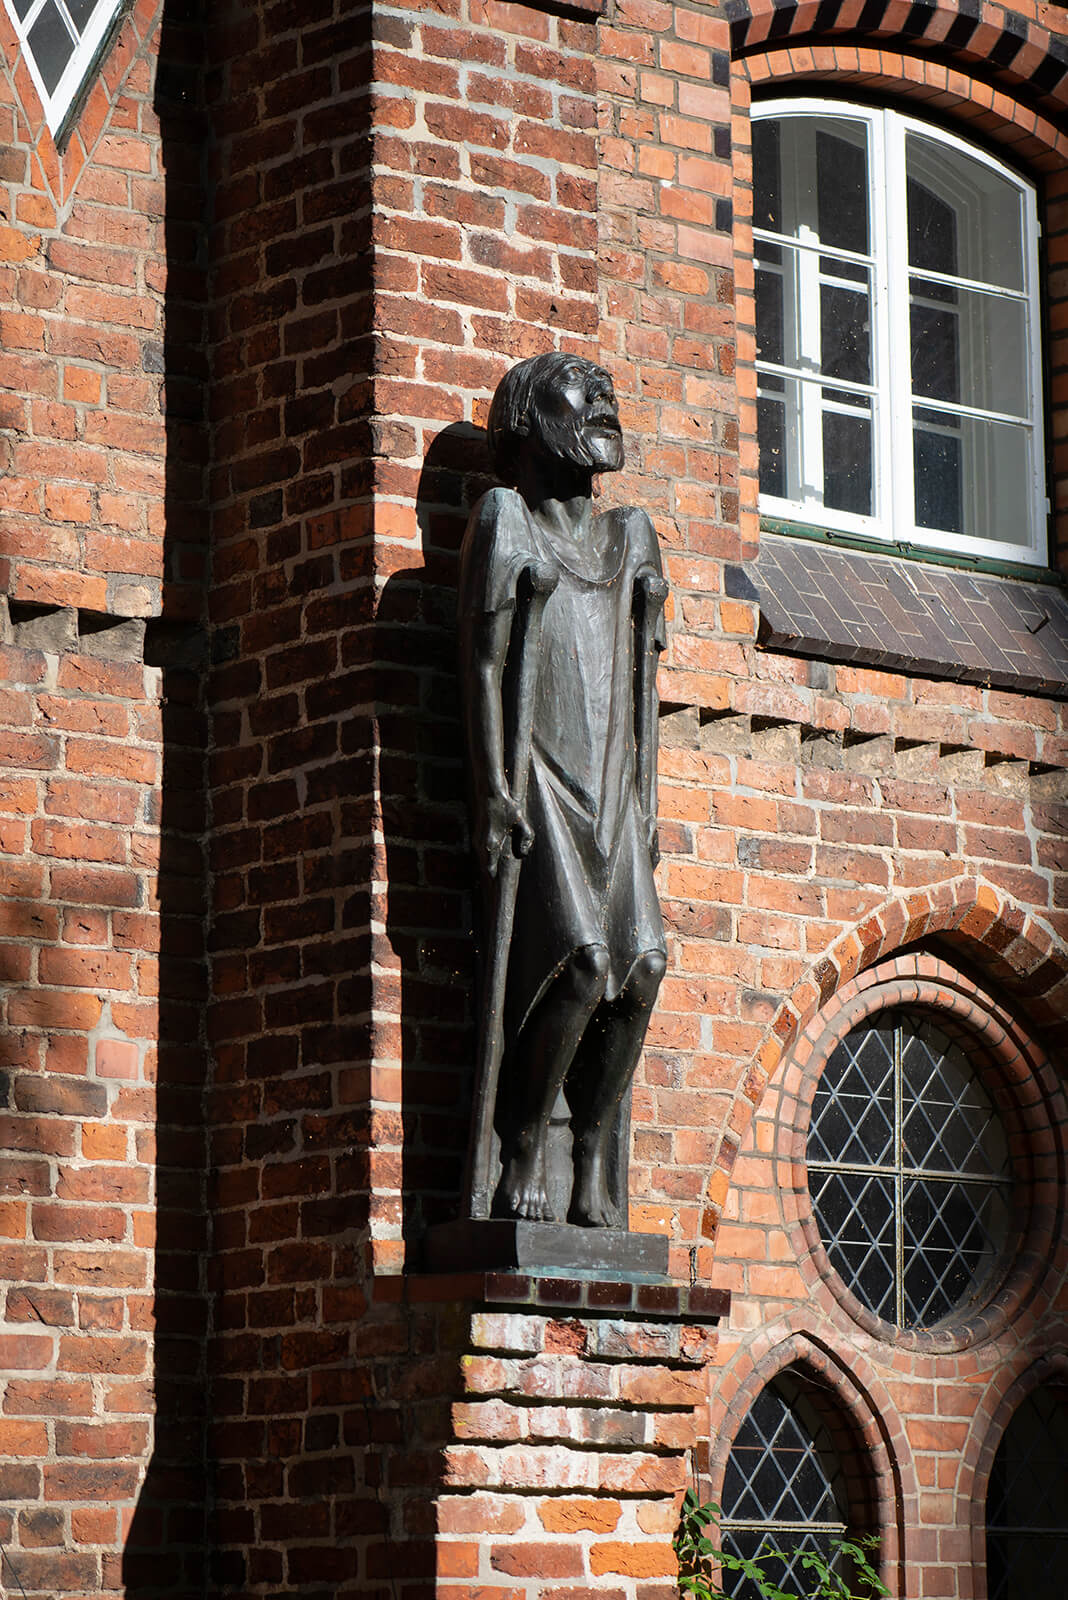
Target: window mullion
<point>809,327</point>
<point>891,200</point>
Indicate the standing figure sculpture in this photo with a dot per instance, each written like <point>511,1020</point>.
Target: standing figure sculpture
<point>560,627</point>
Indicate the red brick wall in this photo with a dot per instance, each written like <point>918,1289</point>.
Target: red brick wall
<point>513,181</point>
<point>101,871</point>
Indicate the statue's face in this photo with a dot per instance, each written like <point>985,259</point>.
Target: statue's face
<point>579,418</point>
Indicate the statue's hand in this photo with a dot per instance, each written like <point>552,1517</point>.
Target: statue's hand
<point>652,839</point>
<point>504,821</point>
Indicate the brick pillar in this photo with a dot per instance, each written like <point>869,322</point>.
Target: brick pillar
<point>577,1405</point>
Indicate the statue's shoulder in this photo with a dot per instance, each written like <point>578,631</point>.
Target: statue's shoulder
<point>498,541</point>
<point>642,543</point>
<point>499,517</point>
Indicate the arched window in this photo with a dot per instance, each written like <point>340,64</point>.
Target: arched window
<point>784,1482</point>
<point>908,1169</point>
<point>897,320</point>
<point>1027,1501</point>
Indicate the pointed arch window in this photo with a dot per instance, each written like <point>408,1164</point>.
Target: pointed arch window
<point>1027,1500</point>
<point>62,41</point>
<point>784,1482</point>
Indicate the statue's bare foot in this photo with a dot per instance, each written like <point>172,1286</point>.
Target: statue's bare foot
<point>522,1191</point>
<point>591,1205</point>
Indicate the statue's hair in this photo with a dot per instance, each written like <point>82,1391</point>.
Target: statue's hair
<point>514,411</point>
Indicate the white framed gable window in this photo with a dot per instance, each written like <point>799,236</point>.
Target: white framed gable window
<point>61,42</point>
<point>898,356</point>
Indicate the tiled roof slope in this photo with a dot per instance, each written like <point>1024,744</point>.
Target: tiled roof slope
<point>849,605</point>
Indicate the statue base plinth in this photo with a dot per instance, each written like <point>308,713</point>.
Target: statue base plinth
<point>545,1249</point>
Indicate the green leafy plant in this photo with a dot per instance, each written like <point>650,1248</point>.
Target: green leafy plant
<point>703,1564</point>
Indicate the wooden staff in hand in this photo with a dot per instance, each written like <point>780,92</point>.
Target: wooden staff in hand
<point>509,840</point>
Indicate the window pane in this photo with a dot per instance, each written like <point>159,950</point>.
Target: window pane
<point>855,1215</point>
<point>771,438</point>
<point>51,45</point>
<point>785,1479</point>
<point>973,351</point>
<point>962,212</point>
<point>949,1121</point>
<point>853,1107</point>
<point>767,175</point>
<point>811,180</point>
<point>845,333</point>
<point>951,1236</point>
<point>973,476</point>
<point>937,470</point>
<point>81,11</point>
<point>770,310</point>
<point>842,186</point>
<point>1029,1479</point>
<point>788,1574</point>
<point>908,1169</point>
<point>847,464</point>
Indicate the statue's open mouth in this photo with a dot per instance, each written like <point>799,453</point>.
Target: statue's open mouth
<point>607,420</point>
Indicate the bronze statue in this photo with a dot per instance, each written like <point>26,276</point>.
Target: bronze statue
<point>560,625</point>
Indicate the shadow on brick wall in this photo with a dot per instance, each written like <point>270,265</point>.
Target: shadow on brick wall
<point>166,1549</point>
<point>429,926</point>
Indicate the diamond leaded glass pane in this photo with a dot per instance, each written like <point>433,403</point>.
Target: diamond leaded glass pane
<point>853,1110</point>
<point>789,1574</point>
<point>952,1233</point>
<point>908,1169</point>
<point>856,1216</point>
<point>784,1485</point>
<point>1027,1501</point>
<point>949,1121</point>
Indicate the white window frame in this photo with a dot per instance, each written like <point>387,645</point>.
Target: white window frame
<point>87,47</point>
<point>893,520</point>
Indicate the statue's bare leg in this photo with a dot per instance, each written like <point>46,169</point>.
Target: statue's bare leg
<point>536,1070</point>
<point>604,1068</point>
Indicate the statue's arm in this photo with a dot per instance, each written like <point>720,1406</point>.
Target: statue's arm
<point>496,813</point>
<point>650,592</point>
<point>490,562</point>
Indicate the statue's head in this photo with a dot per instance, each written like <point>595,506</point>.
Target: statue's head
<point>557,405</point>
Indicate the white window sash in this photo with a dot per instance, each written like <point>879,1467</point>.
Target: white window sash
<point>890,393</point>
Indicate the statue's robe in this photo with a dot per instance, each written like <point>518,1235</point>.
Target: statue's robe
<point>588,879</point>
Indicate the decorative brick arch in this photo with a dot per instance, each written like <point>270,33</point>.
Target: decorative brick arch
<point>991,1418</point>
<point>863,1402</point>
<point>1031,1102</point>
<point>1014,946</point>
<point>1005,45</point>
<point>948,90</point>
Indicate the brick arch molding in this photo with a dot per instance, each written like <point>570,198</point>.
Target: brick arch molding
<point>862,1397</point>
<point>1007,47</point>
<point>1011,943</point>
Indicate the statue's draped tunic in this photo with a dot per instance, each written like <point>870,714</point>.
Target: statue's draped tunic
<point>588,879</point>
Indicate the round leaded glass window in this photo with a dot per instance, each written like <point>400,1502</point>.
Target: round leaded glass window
<point>908,1168</point>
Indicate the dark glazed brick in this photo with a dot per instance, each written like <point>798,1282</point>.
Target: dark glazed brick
<point>612,1296</point>
<point>560,1291</point>
<point>502,1287</point>
<point>848,605</point>
<point>660,1297</point>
